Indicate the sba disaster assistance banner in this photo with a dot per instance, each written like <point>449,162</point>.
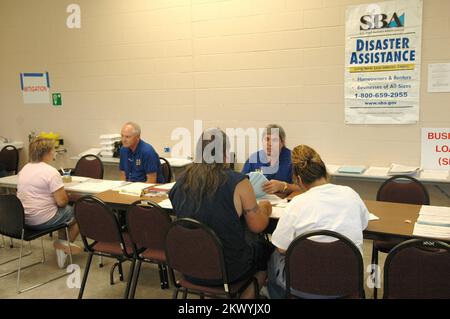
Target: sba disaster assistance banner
<point>382,67</point>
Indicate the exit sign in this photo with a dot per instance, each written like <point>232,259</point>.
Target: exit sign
<point>56,97</point>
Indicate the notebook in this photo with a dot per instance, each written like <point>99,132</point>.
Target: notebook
<point>352,169</point>
<point>397,169</point>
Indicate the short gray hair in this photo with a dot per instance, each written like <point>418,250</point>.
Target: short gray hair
<point>135,126</point>
<point>275,128</point>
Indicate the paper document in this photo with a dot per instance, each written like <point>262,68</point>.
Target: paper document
<point>273,199</point>
<point>94,186</point>
<point>164,187</point>
<point>376,171</point>
<point>434,220</point>
<point>397,169</point>
<point>442,211</point>
<point>373,217</point>
<point>134,189</point>
<point>352,169</point>
<point>431,231</point>
<point>80,179</point>
<point>93,151</point>
<point>167,204</point>
<point>258,180</point>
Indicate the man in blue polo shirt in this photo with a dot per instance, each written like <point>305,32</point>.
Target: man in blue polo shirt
<point>139,161</point>
<point>274,161</point>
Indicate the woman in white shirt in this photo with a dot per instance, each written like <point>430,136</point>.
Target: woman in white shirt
<point>322,206</point>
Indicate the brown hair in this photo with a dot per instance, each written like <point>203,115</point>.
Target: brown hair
<point>39,147</point>
<point>307,164</point>
<point>206,174</point>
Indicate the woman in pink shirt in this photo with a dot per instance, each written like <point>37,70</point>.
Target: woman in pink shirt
<point>41,190</point>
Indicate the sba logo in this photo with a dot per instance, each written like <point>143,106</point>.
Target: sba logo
<point>381,21</point>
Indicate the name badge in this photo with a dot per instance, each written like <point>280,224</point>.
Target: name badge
<point>138,162</point>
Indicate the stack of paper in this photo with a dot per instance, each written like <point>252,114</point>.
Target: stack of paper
<point>258,180</point>
<point>133,189</point>
<point>352,169</point>
<point>433,221</point>
<point>107,142</point>
<point>397,169</point>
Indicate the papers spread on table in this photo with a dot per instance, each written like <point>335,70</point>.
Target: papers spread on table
<point>352,169</point>
<point>397,169</point>
<point>433,221</point>
<point>258,180</point>
<point>133,189</point>
<point>434,174</point>
<point>94,186</point>
<point>163,187</point>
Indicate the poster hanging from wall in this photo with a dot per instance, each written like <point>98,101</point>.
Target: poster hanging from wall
<point>35,88</point>
<point>382,62</point>
<point>435,152</point>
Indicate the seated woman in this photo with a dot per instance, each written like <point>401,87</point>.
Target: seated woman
<point>323,206</point>
<point>41,190</point>
<point>274,161</point>
<point>224,200</point>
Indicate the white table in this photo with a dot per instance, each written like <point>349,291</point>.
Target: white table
<point>379,174</point>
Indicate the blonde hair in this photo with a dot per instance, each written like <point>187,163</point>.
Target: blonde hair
<point>307,164</point>
<point>40,147</point>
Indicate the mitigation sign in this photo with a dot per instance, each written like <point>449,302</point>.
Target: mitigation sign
<point>35,88</point>
<point>382,62</point>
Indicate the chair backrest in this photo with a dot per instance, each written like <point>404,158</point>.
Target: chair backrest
<point>403,189</point>
<point>166,169</point>
<point>147,225</point>
<point>97,222</point>
<point>9,157</point>
<point>194,250</point>
<point>12,217</point>
<point>324,269</point>
<point>89,166</point>
<point>418,268</point>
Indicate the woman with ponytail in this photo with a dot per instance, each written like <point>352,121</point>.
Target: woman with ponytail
<point>322,206</point>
